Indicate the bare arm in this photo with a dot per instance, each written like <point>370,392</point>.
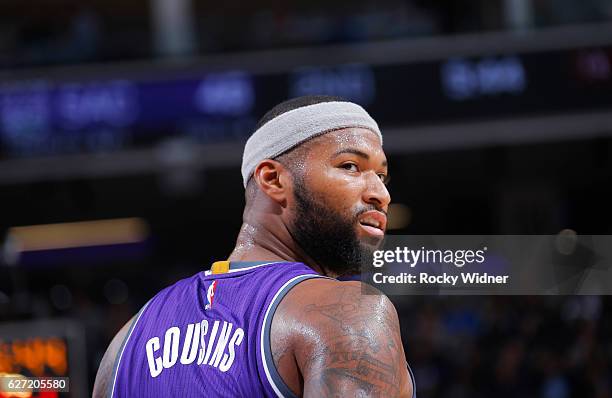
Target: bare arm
<point>104,377</point>
<point>348,343</point>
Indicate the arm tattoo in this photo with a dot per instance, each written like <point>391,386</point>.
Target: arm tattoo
<point>278,354</point>
<point>364,357</point>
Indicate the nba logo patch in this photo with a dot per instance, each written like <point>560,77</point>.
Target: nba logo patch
<point>210,294</point>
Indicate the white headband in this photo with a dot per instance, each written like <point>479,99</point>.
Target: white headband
<point>291,128</point>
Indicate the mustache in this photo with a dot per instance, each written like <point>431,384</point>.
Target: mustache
<point>366,208</point>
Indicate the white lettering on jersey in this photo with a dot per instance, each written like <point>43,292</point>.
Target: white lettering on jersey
<point>221,344</point>
<point>155,364</point>
<point>190,348</point>
<point>204,329</point>
<point>211,340</point>
<point>228,359</point>
<point>195,341</point>
<point>171,343</point>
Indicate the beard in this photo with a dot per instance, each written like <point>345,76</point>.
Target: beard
<point>328,237</point>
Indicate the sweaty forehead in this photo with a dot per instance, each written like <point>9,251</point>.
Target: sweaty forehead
<point>357,138</point>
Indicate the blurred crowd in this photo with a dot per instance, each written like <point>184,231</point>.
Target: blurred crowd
<point>509,346</point>
<point>65,31</point>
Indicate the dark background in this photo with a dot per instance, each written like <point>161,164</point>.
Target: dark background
<point>497,118</point>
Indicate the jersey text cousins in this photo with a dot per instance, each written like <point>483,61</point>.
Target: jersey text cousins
<point>201,343</point>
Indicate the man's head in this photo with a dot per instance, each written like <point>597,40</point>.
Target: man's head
<point>329,189</point>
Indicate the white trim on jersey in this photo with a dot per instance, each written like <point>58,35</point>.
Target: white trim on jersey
<point>263,357</point>
<point>132,327</point>
<point>266,329</point>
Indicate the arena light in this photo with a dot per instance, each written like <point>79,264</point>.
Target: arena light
<point>79,234</point>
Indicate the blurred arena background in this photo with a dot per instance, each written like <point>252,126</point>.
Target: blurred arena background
<point>121,133</point>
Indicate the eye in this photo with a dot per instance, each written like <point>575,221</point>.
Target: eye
<point>350,167</point>
<point>384,178</point>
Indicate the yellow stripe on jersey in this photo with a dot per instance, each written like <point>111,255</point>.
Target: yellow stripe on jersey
<point>220,267</point>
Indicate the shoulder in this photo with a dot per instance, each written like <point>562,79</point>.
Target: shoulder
<point>322,300</point>
<point>104,376</point>
<point>344,337</point>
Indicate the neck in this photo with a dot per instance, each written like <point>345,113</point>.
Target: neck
<point>258,241</point>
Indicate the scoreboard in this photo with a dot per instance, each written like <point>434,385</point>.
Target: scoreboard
<point>50,117</point>
<point>44,349</point>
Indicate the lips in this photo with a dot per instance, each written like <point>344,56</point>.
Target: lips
<point>373,222</point>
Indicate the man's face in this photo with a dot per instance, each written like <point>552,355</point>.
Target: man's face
<point>341,200</point>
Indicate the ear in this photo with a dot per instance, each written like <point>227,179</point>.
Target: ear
<point>274,180</point>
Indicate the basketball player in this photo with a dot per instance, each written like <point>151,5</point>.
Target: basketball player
<point>273,320</point>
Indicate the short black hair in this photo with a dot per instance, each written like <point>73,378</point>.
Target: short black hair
<point>295,103</point>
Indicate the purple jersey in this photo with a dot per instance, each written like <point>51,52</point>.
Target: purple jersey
<point>208,335</point>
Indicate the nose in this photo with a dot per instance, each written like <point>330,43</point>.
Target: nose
<point>376,192</point>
